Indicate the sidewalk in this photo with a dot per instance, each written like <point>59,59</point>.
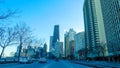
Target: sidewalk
<point>99,64</point>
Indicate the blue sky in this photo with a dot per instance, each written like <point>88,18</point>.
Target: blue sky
<point>42,15</point>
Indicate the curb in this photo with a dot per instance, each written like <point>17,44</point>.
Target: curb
<point>95,66</point>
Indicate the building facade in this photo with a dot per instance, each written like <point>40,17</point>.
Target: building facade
<point>68,37</point>
<point>111,18</point>
<point>58,49</point>
<point>95,37</point>
<point>79,44</point>
<point>55,35</point>
<point>71,49</point>
<point>51,40</point>
<point>30,51</point>
<point>66,43</point>
<point>45,50</point>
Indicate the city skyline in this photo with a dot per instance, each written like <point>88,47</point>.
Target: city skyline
<point>60,33</point>
<point>44,14</point>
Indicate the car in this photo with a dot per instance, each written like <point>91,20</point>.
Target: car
<point>42,60</point>
<point>25,60</point>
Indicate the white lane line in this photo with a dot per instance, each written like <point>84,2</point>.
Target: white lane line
<point>49,65</point>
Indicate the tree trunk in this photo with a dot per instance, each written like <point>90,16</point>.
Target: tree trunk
<point>2,52</point>
<point>109,59</point>
<point>19,51</point>
<point>26,53</point>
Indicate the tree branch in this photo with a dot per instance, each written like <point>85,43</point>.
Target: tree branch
<point>8,14</point>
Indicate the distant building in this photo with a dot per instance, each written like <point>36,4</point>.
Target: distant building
<point>27,52</point>
<point>55,35</point>
<point>30,51</point>
<point>68,37</point>
<point>71,48</point>
<point>66,43</point>
<point>45,50</point>
<point>51,44</point>
<point>17,52</point>
<point>79,43</point>
<point>58,49</point>
<point>41,52</point>
<point>61,50</point>
<point>23,52</point>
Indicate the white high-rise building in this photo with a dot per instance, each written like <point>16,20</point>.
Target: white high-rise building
<point>79,43</point>
<point>69,36</point>
<point>58,49</point>
<point>95,36</point>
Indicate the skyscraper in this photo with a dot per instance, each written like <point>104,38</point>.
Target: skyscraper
<point>95,36</point>
<point>59,49</point>
<point>79,43</point>
<point>66,43</point>
<point>51,40</point>
<point>45,47</point>
<point>55,35</point>
<point>111,18</point>
<point>68,37</point>
<point>45,50</point>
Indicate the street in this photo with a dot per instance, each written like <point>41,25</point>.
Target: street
<point>49,64</point>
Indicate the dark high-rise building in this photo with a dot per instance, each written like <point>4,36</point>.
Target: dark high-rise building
<point>102,27</point>
<point>55,35</point>
<point>111,18</point>
<point>95,37</point>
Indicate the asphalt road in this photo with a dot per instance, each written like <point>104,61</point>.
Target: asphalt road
<point>49,64</point>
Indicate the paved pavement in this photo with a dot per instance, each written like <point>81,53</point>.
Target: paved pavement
<point>49,64</point>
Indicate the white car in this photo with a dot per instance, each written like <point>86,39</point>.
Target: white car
<point>42,60</point>
<point>25,60</point>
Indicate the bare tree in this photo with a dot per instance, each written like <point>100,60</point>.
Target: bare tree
<point>38,42</point>
<point>7,38</point>
<point>28,42</point>
<point>23,34</point>
<point>7,34</point>
<point>7,14</point>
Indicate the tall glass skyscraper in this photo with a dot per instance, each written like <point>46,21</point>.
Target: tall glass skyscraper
<point>55,35</point>
<point>95,36</point>
<point>111,18</point>
<point>102,26</point>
